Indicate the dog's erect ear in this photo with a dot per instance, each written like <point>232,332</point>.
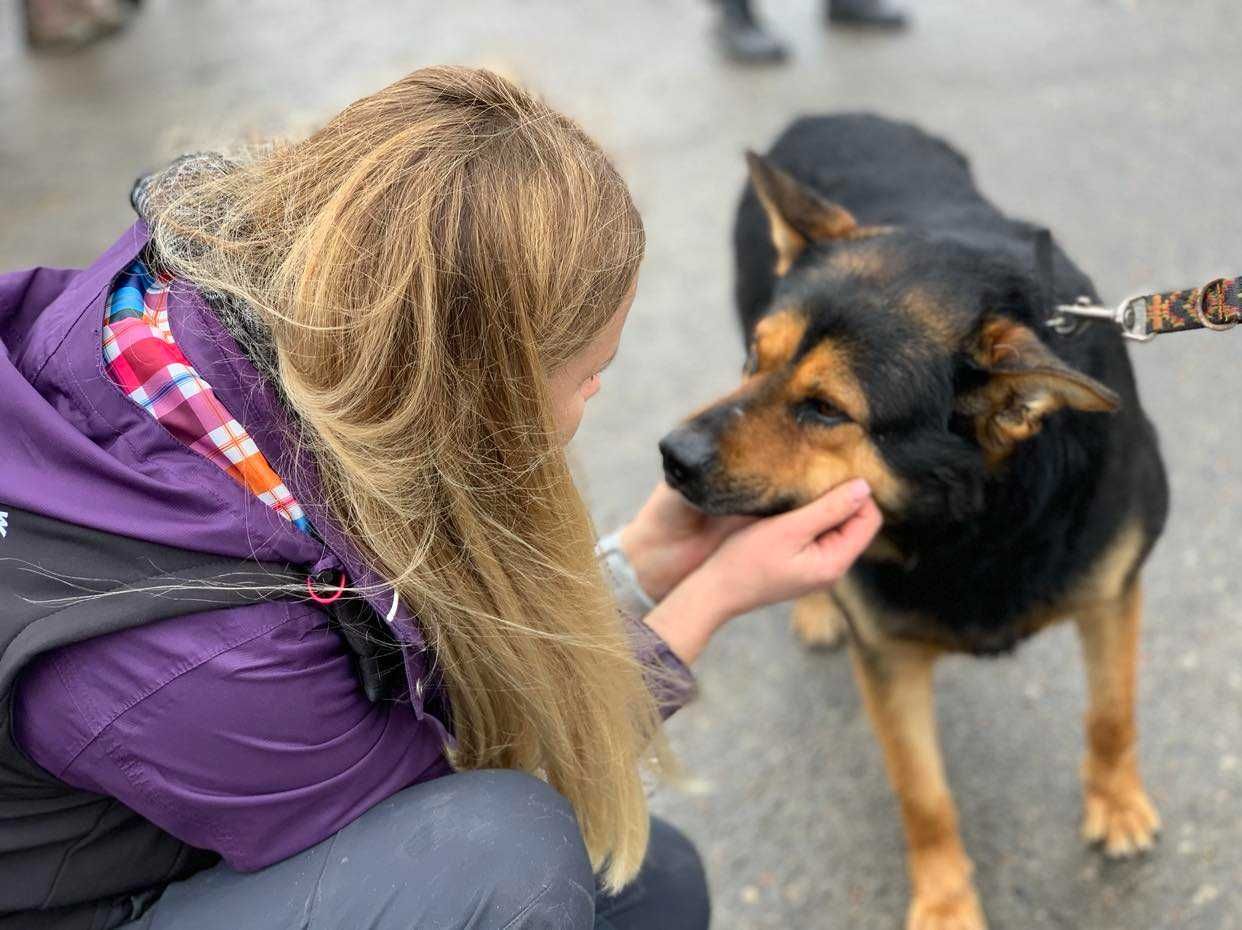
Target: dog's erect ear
<point>796,214</point>
<point>1024,381</point>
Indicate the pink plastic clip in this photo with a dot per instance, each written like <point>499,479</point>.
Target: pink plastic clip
<point>310,589</point>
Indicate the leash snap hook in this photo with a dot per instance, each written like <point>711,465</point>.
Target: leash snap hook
<point>1067,319</point>
<point>1130,316</point>
<point>1133,320</point>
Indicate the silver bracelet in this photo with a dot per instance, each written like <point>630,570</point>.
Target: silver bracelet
<point>631,598</point>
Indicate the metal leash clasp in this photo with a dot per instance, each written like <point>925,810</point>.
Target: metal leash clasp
<point>1130,316</point>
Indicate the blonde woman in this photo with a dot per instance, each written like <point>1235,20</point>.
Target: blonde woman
<point>304,623</point>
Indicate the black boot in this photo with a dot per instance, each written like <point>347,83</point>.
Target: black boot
<point>741,39</point>
<point>880,13</point>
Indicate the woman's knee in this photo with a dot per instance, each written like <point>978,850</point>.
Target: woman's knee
<point>520,853</point>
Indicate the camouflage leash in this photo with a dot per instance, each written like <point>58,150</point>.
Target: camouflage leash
<point>1216,306</point>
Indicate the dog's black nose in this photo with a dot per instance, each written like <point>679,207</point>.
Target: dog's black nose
<point>687,454</point>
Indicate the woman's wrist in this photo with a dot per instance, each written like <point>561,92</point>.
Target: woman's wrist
<point>631,595</point>
<point>690,614</point>
<point>686,616</point>
<point>647,560</point>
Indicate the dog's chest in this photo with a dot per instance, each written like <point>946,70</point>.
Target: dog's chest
<point>984,608</point>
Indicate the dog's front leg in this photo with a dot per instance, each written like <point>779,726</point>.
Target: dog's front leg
<point>896,683</point>
<point>1116,809</point>
<point>817,621</point>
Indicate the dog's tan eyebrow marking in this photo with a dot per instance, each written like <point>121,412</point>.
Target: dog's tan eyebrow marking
<point>933,313</point>
<point>864,262</point>
<point>927,305</point>
<point>777,337</point>
<point>825,372</point>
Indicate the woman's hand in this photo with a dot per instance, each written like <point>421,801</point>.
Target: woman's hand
<point>668,539</point>
<point>787,556</point>
<point>774,559</point>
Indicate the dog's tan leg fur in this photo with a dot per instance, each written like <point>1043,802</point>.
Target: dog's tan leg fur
<point>1116,810</point>
<point>817,621</point>
<point>895,679</point>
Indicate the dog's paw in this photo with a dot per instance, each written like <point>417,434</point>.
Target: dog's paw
<point>956,911</point>
<point>1119,816</point>
<point>817,622</point>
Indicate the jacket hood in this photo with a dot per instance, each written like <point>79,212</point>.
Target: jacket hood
<point>75,448</point>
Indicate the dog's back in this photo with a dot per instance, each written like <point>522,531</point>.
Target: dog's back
<point>887,173</point>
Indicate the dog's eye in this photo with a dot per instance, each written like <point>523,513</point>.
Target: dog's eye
<point>817,410</point>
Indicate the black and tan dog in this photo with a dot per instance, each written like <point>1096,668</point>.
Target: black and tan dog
<point>894,320</point>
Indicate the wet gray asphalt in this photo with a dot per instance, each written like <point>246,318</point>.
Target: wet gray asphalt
<point>1115,123</point>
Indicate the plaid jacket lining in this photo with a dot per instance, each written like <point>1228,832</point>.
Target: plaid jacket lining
<point>143,358</point>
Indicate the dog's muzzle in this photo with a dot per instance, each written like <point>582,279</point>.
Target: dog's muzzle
<point>689,455</point>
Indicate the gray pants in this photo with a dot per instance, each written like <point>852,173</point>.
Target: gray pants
<point>493,850</point>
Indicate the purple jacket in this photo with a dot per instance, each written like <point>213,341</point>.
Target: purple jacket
<point>240,730</point>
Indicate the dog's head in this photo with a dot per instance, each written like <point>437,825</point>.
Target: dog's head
<point>884,354</point>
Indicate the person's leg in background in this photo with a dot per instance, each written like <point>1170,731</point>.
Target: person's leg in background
<point>670,893</point>
<point>742,38</point>
<point>476,851</point>
<point>73,23</point>
<point>883,14</point>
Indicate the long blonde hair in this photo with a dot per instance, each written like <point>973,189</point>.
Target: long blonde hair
<point>421,264</point>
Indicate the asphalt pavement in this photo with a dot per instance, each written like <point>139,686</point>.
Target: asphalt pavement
<point>1115,123</point>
